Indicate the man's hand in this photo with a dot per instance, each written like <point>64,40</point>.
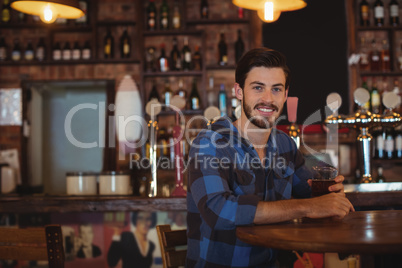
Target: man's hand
<point>330,205</point>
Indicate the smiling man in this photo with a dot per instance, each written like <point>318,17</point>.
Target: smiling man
<point>246,172</point>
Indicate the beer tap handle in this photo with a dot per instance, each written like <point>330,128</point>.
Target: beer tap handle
<point>361,97</point>
<point>334,101</point>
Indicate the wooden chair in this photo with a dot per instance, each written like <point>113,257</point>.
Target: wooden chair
<point>34,243</point>
<point>169,240</point>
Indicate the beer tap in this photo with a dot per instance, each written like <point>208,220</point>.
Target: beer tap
<point>364,120</point>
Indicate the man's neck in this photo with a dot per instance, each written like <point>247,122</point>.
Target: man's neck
<point>257,136</point>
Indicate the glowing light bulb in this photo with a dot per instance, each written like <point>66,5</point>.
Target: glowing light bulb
<point>48,15</point>
<point>268,13</point>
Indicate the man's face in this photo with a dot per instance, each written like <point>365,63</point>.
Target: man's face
<point>264,95</point>
<point>87,235</point>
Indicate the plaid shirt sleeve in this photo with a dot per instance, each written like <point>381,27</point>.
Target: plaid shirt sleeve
<point>209,180</point>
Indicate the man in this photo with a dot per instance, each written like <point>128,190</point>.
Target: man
<point>246,172</point>
<point>86,248</point>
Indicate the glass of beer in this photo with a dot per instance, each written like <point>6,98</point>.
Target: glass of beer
<point>323,177</point>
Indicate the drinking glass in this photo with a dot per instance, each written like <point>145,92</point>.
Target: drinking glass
<point>323,178</point>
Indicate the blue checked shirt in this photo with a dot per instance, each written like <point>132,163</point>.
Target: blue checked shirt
<point>226,180</point>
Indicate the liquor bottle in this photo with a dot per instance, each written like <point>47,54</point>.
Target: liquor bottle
<point>223,51</point>
<point>364,62</point>
<point>66,54</point>
<point>375,57</point>
<point>234,103</point>
<point>389,143</point>
<point>6,11</point>
<point>163,60</point>
<point>186,53</point>
<point>364,13</point>
<point>195,100</point>
<point>125,45</point>
<point>3,49</point>
<point>380,177</point>
<point>167,95</point>
<point>375,98</point>
<point>29,52</point>
<point>175,57</point>
<point>76,55</point>
<point>240,13</point>
<point>400,58</point>
<point>397,91</point>
<point>211,93</point>
<point>86,51</point>
<point>204,9</point>
<point>176,18</point>
<point>151,15</point>
<point>154,93</point>
<point>239,46</point>
<point>40,53</point>
<point>394,13</point>
<point>164,16</point>
<point>16,53</point>
<point>379,140</point>
<point>222,100</point>
<point>108,45</point>
<point>197,59</point>
<point>56,51</point>
<point>181,91</point>
<point>84,7</point>
<point>378,13</point>
<point>385,58</point>
<point>398,143</point>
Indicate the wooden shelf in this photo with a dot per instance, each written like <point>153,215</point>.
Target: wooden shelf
<point>173,73</point>
<point>107,23</point>
<point>185,112</point>
<point>172,32</point>
<point>217,21</point>
<point>393,73</point>
<point>50,27</point>
<point>69,62</point>
<point>219,67</point>
<point>376,28</point>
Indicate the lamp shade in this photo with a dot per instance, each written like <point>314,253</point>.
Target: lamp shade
<point>282,5</point>
<point>68,9</point>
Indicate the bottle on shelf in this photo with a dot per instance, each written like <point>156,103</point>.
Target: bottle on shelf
<point>40,53</point>
<point>367,105</point>
<point>195,100</point>
<point>125,45</point>
<point>211,93</point>
<point>234,103</point>
<point>364,10</point>
<point>163,60</point>
<point>397,91</point>
<point>375,57</point>
<point>76,53</point>
<point>197,59</point>
<point>6,11</point>
<point>86,51</point>
<point>3,49</point>
<point>167,95</point>
<point>378,13</point>
<point>222,50</point>
<point>240,13</point>
<point>379,140</point>
<point>66,55</point>
<point>108,45</point>
<point>186,54</point>
<point>154,92</point>
<point>385,57</point>
<point>56,51</point>
<point>204,9</point>
<point>29,52</point>
<point>375,98</point>
<point>222,100</point>
<point>364,62</point>
<point>389,143</point>
<point>398,143</point>
<point>151,15</point>
<point>164,16</point>
<point>83,4</point>
<point>175,57</point>
<point>394,13</point>
<point>176,17</point>
<point>239,46</point>
<point>380,177</point>
<point>400,58</point>
<point>181,91</point>
<point>151,64</point>
<point>16,53</point>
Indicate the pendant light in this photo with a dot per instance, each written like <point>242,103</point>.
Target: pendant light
<point>270,10</point>
<point>49,10</point>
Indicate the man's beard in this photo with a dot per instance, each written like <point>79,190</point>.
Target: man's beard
<point>260,121</point>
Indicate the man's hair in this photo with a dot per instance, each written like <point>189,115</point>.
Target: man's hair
<point>261,57</point>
